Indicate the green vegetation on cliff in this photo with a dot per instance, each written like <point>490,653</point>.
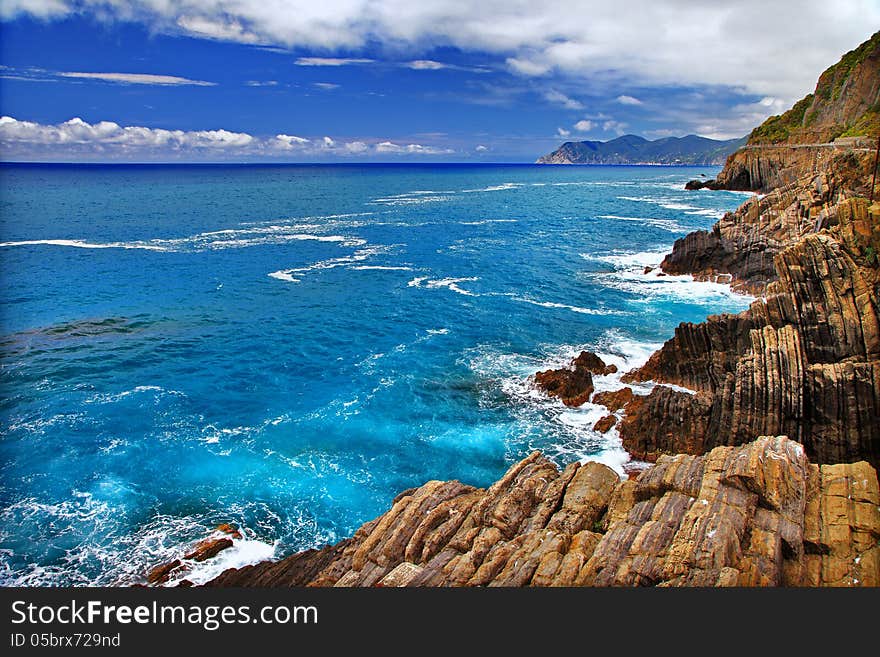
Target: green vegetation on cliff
<point>846,103</point>
<point>778,128</point>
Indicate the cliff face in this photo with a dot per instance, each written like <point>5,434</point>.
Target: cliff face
<point>843,109</point>
<point>804,360</point>
<point>846,102</point>
<point>756,515</point>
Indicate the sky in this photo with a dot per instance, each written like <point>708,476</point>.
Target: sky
<point>399,80</point>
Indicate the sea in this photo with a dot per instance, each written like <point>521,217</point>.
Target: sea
<point>288,347</point>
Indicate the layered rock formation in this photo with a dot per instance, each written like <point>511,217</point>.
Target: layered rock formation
<point>804,360</point>
<point>755,515</point>
<point>741,247</point>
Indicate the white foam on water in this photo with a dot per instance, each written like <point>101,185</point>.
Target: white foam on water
<point>80,244</point>
<point>488,221</point>
<point>381,268</point>
<point>655,285</point>
<point>283,275</point>
<point>110,398</point>
<point>566,434</point>
<point>503,187</point>
<point>717,214</point>
<point>663,202</point>
<point>448,283</point>
<point>295,275</point>
<point>417,197</point>
<point>242,552</point>
<point>565,306</point>
<point>627,260</point>
<point>666,224</point>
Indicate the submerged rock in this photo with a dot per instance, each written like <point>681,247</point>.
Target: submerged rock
<point>755,515</point>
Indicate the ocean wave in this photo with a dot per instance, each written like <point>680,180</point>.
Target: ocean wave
<point>666,224</point>
<point>627,260</point>
<point>295,275</point>
<point>488,221</point>
<point>448,283</point>
<point>708,212</point>
<point>663,202</point>
<point>209,241</point>
<point>105,552</point>
<point>629,275</point>
<point>381,268</point>
<point>503,187</point>
<point>81,244</point>
<point>565,306</point>
<point>564,433</point>
<point>417,197</point>
<point>111,398</point>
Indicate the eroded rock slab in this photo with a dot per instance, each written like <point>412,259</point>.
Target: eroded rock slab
<point>755,515</point>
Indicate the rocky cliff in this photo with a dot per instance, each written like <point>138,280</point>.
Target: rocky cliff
<point>756,515</point>
<point>804,359</point>
<point>843,113</point>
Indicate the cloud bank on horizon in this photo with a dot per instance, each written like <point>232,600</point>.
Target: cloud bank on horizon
<point>447,73</point>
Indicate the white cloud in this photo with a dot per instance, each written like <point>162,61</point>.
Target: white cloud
<point>326,86</point>
<point>219,28</point>
<point>391,147</point>
<point>481,148</point>
<point>38,8</point>
<point>106,139</point>
<point>562,132</point>
<point>527,67</point>
<point>425,65</point>
<point>291,141</point>
<point>560,98</point>
<point>77,132</point>
<point>262,83</point>
<point>618,127</point>
<point>137,78</point>
<point>628,100</point>
<point>331,61</point>
<point>660,42</point>
<point>584,125</point>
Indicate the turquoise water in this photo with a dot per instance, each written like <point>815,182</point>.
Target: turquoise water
<point>289,347</point>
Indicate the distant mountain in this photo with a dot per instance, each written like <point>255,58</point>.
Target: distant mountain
<point>632,149</point>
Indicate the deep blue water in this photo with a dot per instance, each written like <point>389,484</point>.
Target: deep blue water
<point>289,347</point>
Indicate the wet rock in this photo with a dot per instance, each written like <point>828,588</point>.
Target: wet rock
<point>574,384</point>
<point>605,424</point>
<point>614,400</point>
<point>163,572</point>
<point>755,515</point>
<point>573,387</point>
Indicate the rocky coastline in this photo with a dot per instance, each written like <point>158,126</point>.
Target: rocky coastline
<point>763,428</point>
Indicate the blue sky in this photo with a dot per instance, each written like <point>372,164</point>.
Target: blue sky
<point>387,80</point>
